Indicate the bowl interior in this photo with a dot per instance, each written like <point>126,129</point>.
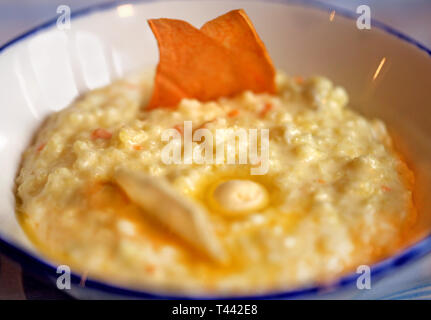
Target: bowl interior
<point>46,70</point>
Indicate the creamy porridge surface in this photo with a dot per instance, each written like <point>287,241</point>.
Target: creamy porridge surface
<point>338,195</point>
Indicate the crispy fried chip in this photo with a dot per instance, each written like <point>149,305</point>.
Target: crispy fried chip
<point>223,58</point>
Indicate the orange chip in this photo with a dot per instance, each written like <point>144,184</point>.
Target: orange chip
<point>224,58</point>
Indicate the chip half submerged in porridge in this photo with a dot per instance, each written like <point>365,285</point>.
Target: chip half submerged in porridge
<point>260,187</point>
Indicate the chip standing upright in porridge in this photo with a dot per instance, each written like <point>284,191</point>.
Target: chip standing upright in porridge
<point>336,193</point>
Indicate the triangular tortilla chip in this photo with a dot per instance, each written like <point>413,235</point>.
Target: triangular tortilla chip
<point>224,58</point>
<point>182,216</point>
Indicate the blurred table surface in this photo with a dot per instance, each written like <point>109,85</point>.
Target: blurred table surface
<point>413,17</point>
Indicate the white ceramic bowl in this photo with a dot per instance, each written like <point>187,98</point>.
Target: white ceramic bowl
<point>46,68</point>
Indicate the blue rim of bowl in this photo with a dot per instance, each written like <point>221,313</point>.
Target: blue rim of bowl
<point>409,254</point>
